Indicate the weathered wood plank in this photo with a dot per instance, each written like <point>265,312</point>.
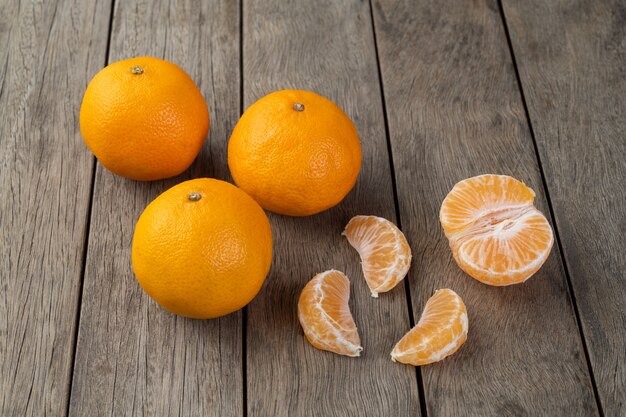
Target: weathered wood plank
<point>47,52</point>
<point>571,57</point>
<point>325,47</point>
<point>133,358</point>
<point>455,111</point>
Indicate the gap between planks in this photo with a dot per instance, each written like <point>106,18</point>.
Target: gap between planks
<point>244,312</point>
<point>395,197</point>
<point>570,289</point>
<point>87,232</point>
<point>407,286</point>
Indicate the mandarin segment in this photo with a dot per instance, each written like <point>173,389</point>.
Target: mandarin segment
<point>440,332</point>
<point>384,251</point>
<point>496,234</point>
<point>325,316</point>
<point>472,198</point>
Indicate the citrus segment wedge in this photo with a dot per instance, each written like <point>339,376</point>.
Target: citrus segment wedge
<point>325,316</point>
<point>384,251</point>
<point>440,332</point>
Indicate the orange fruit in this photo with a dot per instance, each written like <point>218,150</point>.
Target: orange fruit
<point>295,152</point>
<point>325,316</point>
<point>440,332</point>
<point>202,249</point>
<point>496,234</point>
<point>144,118</point>
<point>385,253</point>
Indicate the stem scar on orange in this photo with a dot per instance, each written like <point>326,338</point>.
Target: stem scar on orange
<point>295,152</point>
<point>144,118</point>
<point>202,249</point>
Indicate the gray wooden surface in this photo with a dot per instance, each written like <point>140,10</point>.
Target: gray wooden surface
<point>439,91</point>
<point>328,48</point>
<point>572,64</point>
<point>48,53</point>
<point>132,357</point>
<point>455,111</point>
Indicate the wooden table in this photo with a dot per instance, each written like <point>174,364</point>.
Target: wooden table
<point>439,91</point>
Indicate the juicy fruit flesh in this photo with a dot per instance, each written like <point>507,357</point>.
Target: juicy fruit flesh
<point>496,234</point>
<point>440,332</point>
<point>483,195</point>
<point>507,245</point>
<point>384,251</point>
<point>325,316</point>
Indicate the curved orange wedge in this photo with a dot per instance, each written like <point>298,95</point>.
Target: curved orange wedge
<point>325,316</point>
<point>385,253</point>
<point>440,332</point>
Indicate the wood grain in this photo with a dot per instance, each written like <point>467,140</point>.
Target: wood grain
<point>47,52</point>
<point>134,358</point>
<point>571,57</point>
<point>325,47</point>
<point>455,111</point>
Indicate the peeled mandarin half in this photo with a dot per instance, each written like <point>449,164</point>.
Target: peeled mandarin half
<point>496,234</point>
<point>440,332</point>
<point>325,316</point>
<point>385,253</point>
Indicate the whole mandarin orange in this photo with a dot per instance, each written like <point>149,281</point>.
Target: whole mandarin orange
<point>144,118</point>
<point>295,152</point>
<point>202,249</point>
